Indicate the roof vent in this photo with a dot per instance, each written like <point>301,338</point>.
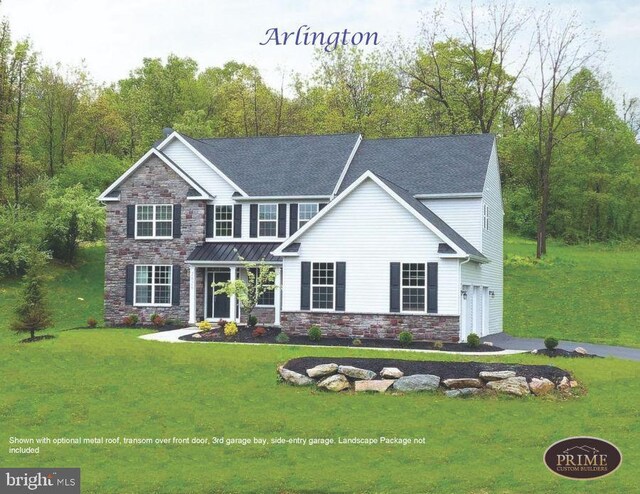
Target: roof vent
<point>167,131</point>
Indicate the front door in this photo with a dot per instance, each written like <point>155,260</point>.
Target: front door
<point>218,305</point>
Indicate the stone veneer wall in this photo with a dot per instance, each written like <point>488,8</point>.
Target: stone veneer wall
<point>152,183</point>
<point>265,315</point>
<point>360,325</point>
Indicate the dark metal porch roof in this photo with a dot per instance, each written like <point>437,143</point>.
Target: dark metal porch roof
<point>233,251</point>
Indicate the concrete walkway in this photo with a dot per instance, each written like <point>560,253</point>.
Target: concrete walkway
<point>174,335</point>
<point>504,340</point>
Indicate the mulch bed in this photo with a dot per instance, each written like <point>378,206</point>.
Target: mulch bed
<point>446,370</point>
<point>558,352</point>
<point>245,336</point>
<point>38,338</point>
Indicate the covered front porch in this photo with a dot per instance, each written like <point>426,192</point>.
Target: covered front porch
<point>219,262</point>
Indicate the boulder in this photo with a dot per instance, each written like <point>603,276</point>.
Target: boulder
<point>417,382</point>
<point>463,382</point>
<point>564,386</point>
<point>454,393</point>
<point>581,351</point>
<point>197,336</point>
<point>337,382</point>
<point>488,343</point>
<point>355,372</point>
<point>391,373</point>
<point>541,386</point>
<point>573,384</point>
<point>379,385</point>
<point>534,351</point>
<point>294,377</point>
<point>512,385</point>
<point>322,370</point>
<point>496,375</point>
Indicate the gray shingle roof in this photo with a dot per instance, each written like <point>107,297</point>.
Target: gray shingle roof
<point>432,218</point>
<point>280,166</point>
<point>232,251</point>
<point>426,165</point>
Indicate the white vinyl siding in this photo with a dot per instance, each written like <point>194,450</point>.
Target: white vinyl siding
<point>369,230</point>
<point>154,221</point>
<point>463,215</point>
<point>152,285</point>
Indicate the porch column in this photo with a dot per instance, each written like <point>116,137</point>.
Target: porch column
<point>277,296</point>
<point>192,294</point>
<point>232,300</point>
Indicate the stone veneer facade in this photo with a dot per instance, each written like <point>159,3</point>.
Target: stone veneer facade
<point>360,325</point>
<point>152,183</point>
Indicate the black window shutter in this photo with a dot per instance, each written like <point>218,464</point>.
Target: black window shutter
<point>177,221</point>
<point>209,222</point>
<point>128,285</point>
<point>282,220</point>
<point>131,221</point>
<point>293,218</point>
<point>175,285</point>
<point>321,205</point>
<point>394,287</point>
<point>305,286</point>
<point>340,285</point>
<point>237,220</point>
<point>253,220</point>
<point>432,287</point>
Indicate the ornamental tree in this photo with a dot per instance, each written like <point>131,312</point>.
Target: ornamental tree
<point>33,313</point>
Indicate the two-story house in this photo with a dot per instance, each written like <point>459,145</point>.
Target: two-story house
<point>367,237</point>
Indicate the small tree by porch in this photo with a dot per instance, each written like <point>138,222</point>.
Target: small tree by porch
<point>260,280</point>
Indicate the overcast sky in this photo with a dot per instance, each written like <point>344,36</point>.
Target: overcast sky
<point>112,36</point>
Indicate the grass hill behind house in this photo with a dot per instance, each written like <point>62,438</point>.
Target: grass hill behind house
<point>584,292</point>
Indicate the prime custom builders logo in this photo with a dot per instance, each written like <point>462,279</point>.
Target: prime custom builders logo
<point>582,458</point>
<point>40,480</point>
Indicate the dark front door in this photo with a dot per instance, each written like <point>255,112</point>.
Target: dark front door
<point>218,305</point>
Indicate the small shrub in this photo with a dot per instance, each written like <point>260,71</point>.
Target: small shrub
<point>130,320</point>
<point>204,326</point>
<point>438,345</point>
<point>282,338</point>
<point>157,320</point>
<point>252,321</point>
<point>473,340</point>
<point>91,322</point>
<point>357,342</point>
<point>230,329</point>
<point>222,323</point>
<point>314,333</point>
<point>258,332</point>
<point>406,338</point>
<point>551,343</point>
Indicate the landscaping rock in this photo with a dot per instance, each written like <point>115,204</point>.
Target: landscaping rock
<point>294,377</point>
<point>417,382</point>
<point>322,370</point>
<point>463,382</point>
<point>197,336</point>
<point>355,372</point>
<point>496,375</point>
<point>488,343</point>
<point>581,351</point>
<point>573,384</point>
<point>564,386</point>
<point>512,385</point>
<point>391,373</point>
<point>337,382</point>
<point>379,385</point>
<point>454,393</point>
<point>541,386</point>
<point>534,351</point>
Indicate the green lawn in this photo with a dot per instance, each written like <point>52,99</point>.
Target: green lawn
<point>109,383</point>
<point>581,293</point>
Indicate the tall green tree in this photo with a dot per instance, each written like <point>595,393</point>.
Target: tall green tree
<point>33,313</point>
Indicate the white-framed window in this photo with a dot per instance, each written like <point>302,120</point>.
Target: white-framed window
<point>323,285</point>
<point>152,285</point>
<point>154,220</point>
<point>267,220</point>
<point>414,283</point>
<point>306,211</point>
<point>223,223</point>
<point>485,216</point>
<point>268,298</point>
